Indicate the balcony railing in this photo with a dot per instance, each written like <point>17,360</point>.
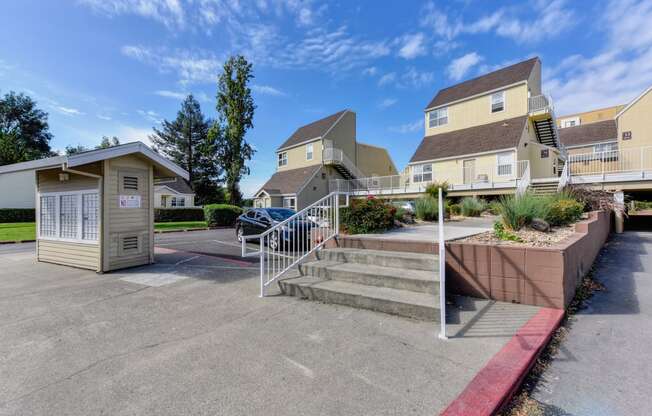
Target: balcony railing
<point>334,155</point>
<point>472,179</point>
<point>623,164</point>
<point>539,103</point>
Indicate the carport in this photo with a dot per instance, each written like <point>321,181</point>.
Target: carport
<point>95,209</point>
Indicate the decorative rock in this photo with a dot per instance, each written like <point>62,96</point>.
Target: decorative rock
<point>540,225</point>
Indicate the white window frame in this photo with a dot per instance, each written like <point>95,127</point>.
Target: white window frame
<point>309,151</point>
<point>292,202</point>
<point>174,201</point>
<point>491,102</point>
<point>282,159</point>
<point>419,170</point>
<point>57,216</point>
<point>511,165</point>
<point>438,118</point>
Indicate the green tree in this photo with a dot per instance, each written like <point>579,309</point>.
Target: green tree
<point>73,150</point>
<point>185,140</point>
<point>24,130</point>
<point>108,142</point>
<point>235,107</point>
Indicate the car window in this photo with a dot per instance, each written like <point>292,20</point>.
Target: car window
<point>251,214</point>
<point>280,214</point>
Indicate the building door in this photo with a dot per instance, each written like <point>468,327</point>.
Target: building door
<point>468,166</point>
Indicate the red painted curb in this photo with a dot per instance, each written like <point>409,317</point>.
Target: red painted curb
<point>495,384</point>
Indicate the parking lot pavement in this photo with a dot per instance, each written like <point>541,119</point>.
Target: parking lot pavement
<point>77,343</point>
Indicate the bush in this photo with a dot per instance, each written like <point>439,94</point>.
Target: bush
<point>493,207</point>
<point>564,211</point>
<point>404,216</point>
<point>369,215</point>
<point>501,233</point>
<point>427,208</point>
<point>178,214</point>
<point>642,205</point>
<point>217,215</point>
<point>17,215</point>
<point>518,212</point>
<point>454,209</point>
<point>472,207</point>
<point>433,189</point>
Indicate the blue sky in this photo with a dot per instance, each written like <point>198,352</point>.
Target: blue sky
<point>118,67</point>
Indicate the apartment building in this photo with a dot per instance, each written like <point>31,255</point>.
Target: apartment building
<point>317,153</point>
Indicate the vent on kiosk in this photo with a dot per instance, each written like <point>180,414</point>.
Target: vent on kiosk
<point>130,244</point>
<point>130,182</point>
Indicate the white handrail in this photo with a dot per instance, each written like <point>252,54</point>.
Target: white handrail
<point>287,243</point>
<point>564,178</point>
<point>442,268</point>
<point>333,154</point>
<point>628,160</point>
<point>524,182</point>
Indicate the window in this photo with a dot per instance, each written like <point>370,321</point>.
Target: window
<point>289,202</point>
<point>505,163</point>
<point>545,153</point>
<point>438,117</point>
<point>422,173</point>
<point>282,159</point>
<point>605,147</point>
<point>498,102</point>
<point>309,151</point>
<point>569,123</point>
<point>71,216</point>
<point>178,201</point>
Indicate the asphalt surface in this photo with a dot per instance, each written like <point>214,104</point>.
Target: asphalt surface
<point>189,335</point>
<point>605,363</point>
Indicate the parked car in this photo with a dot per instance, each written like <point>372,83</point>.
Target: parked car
<point>406,205</point>
<point>258,220</point>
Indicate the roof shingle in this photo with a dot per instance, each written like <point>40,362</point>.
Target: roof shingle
<point>312,131</point>
<point>288,181</point>
<point>501,78</point>
<point>503,134</point>
<point>589,133</point>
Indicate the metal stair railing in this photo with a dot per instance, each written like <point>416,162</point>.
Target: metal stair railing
<point>335,155</point>
<point>287,243</point>
<point>524,182</point>
<point>564,178</point>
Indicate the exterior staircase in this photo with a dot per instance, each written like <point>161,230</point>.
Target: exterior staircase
<point>544,188</point>
<point>398,283</point>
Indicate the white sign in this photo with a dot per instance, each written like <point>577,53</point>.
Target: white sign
<point>129,201</point>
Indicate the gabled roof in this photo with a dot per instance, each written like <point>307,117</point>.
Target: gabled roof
<point>491,81</point>
<point>500,135</point>
<point>176,184</point>
<point>585,134</point>
<point>634,101</point>
<point>289,181</point>
<point>314,130</point>
<point>91,156</point>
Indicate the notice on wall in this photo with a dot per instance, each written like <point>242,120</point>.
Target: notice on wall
<point>129,201</point>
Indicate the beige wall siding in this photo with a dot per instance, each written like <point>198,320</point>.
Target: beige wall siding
<point>84,256</point>
<point>477,111</point>
<point>343,135</point>
<point>375,161</point>
<point>297,156</point>
<point>317,187</point>
<point>190,199</point>
<point>541,167</point>
<point>534,81</point>
<point>48,180</point>
<point>127,222</point>
<point>637,120</point>
<point>592,116</point>
<point>452,170</point>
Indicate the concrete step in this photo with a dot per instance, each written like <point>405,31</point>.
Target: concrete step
<point>396,259</point>
<point>382,299</point>
<point>421,281</point>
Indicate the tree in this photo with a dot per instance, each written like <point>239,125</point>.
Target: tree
<point>73,150</point>
<point>104,144</point>
<point>235,107</point>
<point>24,130</point>
<point>185,140</point>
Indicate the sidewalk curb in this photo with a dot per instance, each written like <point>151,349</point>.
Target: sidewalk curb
<point>184,230</point>
<point>495,384</point>
<point>17,242</point>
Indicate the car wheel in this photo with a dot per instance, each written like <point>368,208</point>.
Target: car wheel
<point>238,233</point>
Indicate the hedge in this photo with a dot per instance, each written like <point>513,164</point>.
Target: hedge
<point>369,215</point>
<point>221,214</point>
<point>178,214</point>
<point>17,215</point>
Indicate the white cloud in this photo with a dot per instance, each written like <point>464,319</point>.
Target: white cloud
<point>459,67</point>
<point>104,117</point>
<point>267,90</point>
<point>168,12</point>
<point>151,115</point>
<point>370,71</point>
<point>132,134</point>
<point>177,95</point>
<point>387,102</point>
<point>412,46</point>
<point>615,75</point>
<point>68,111</point>
<point>408,127</point>
<point>415,78</point>
<point>387,79</point>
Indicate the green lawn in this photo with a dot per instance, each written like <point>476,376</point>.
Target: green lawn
<point>15,231</point>
<point>181,225</point>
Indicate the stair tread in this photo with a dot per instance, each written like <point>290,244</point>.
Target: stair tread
<point>373,292</point>
<point>398,273</point>
<point>401,254</point>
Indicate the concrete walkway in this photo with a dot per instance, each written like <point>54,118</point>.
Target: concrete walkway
<point>428,232</point>
<point>605,364</point>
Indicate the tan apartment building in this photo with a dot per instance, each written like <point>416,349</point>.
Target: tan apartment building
<point>317,153</point>
<point>593,116</point>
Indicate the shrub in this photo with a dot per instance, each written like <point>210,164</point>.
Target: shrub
<point>518,212</point>
<point>178,214</point>
<point>221,214</point>
<point>472,207</point>
<point>17,215</point>
<point>454,209</point>
<point>564,211</point>
<point>501,233</point>
<point>642,205</point>
<point>369,215</point>
<point>433,189</point>
<point>427,208</point>
<point>493,207</point>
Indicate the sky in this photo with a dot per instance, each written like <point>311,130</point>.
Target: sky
<point>119,67</point>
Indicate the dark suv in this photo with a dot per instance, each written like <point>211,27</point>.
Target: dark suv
<point>258,220</point>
